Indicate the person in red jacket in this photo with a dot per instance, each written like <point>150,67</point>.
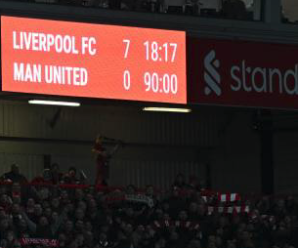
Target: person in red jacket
<point>103,157</point>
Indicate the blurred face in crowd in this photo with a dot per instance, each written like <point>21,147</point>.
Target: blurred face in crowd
<point>165,206</point>
<point>222,221</point>
<point>70,208</point>
<point>80,214</point>
<point>245,235</point>
<point>288,220</point>
<point>43,193</point>
<point>15,209</point>
<point>129,229</point>
<point>48,212</point>
<point>68,226</point>
<point>4,224</point>
<point>17,244</point>
<point>4,199</point>
<point>105,229</point>
<point>242,227</point>
<point>80,225</point>
<point>10,236</point>
<point>211,239</point>
<point>72,172</point>
<point>89,197</point>
<point>102,237</point>
<point>54,217</point>
<point>74,244</point>
<point>79,194</point>
<point>175,192</point>
<point>150,230</point>
<point>37,210</point>
<point>167,217</point>
<point>236,220</point>
<point>43,221</point>
<point>160,243</point>
<point>129,212</point>
<point>22,224</point>
<point>140,229</point>
<point>231,244</point>
<point>250,227</point>
<point>193,207</point>
<point>88,226</point>
<point>55,202</point>
<point>30,203</point>
<point>200,199</point>
<point>280,203</point>
<point>100,198</point>
<point>64,196</point>
<point>99,139</point>
<point>82,205</point>
<point>92,205</point>
<point>194,244</point>
<point>46,204</point>
<point>3,190</point>
<point>219,232</point>
<point>16,199</point>
<point>62,238</point>
<point>218,241</point>
<point>150,190</point>
<point>183,215</point>
<point>47,175</point>
<point>80,239</point>
<point>174,236</point>
<point>2,213</point>
<point>130,190</point>
<point>88,238</point>
<point>159,214</point>
<point>55,168</point>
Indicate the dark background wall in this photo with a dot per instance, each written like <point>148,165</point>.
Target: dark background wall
<point>158,146</point>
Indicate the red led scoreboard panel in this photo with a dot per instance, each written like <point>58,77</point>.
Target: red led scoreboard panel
<point>91,60</point>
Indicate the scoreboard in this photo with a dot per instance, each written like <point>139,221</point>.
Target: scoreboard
<point>93,60</point>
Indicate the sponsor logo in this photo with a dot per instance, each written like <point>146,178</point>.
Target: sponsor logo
<point>264,80</point>
<point>247,78</point>
<point>211,76</point>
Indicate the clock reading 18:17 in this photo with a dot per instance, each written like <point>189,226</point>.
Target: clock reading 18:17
<point>160,52</point>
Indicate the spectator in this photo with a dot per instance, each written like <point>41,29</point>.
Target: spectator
<point>14,175</point>
<point>71,176</point>
<point>56,175</point>
<point>179,182</point>
<point>102,159</point>
<point>43,229</point>
<point>79,216</point>
<point>44,178</point>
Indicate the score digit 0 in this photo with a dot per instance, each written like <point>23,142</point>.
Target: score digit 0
<point>126,80</point>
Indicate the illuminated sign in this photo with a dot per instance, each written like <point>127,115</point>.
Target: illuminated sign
<point>91,60</point>
<point>239,73</point>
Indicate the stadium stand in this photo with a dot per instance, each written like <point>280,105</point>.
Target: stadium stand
<point>231,9</point>
<point>52,212</point>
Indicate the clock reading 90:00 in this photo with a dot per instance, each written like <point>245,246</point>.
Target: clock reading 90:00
<point>164,84</point>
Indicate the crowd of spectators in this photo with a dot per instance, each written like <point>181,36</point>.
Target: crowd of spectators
<point>60,210</point>
<point>232,9</point>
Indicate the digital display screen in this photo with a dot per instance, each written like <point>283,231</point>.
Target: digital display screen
<point>93,60</point>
